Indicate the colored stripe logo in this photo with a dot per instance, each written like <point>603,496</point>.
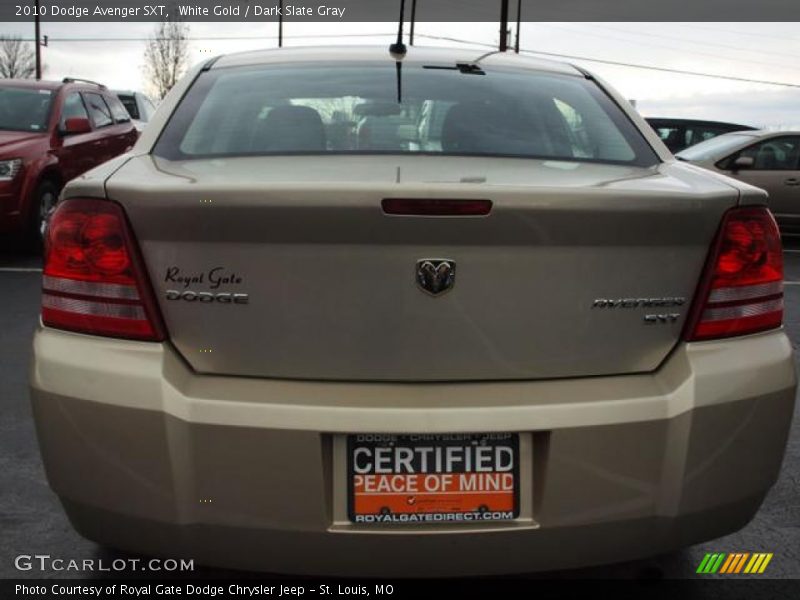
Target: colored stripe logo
<point>734,563</point>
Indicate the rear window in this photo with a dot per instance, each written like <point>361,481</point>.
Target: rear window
<point>118,111</point>
<point>24,109</point>
<point>440,110</point>
<point>717,147</point>
<point>130,105</point>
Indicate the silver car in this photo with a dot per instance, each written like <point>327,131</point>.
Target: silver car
<point>464,315</point>
<point>766,159</point>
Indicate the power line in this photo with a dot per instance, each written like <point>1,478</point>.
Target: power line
<point>457,40</point>
<point>211,38</point>
<point>623,64</point>
<point>747,33</point>
<point>655,45</point>
<point>461,41</point>
<point>698,42</point>
<point>665,69</point>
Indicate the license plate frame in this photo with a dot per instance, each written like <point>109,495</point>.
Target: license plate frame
<point>483,495</point>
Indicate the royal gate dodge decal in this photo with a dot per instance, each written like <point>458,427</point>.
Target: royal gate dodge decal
<point>433,478</point>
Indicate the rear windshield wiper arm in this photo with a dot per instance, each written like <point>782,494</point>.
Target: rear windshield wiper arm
<point>466,68</point>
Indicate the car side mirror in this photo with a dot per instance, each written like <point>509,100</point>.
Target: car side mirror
<point>743,162</point>
<point>75,125</point>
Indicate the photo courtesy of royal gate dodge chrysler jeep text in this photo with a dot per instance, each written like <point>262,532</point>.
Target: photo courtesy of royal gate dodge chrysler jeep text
<point>464,314</point>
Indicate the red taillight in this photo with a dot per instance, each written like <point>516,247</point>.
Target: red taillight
<point>93,277</point>
<point>742,288</point>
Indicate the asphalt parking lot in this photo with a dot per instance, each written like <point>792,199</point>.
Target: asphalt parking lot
<point>31,520</point>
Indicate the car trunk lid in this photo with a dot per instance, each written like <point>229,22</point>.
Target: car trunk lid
<point>580,269</point>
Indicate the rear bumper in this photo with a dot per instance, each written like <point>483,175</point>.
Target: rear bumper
<point>246,473</point>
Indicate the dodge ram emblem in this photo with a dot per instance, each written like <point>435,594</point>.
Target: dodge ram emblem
<point>436,275</point>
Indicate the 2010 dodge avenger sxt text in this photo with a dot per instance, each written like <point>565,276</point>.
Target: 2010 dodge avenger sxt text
<point>422,380</point>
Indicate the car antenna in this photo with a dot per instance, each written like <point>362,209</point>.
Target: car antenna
<point>398,52</point>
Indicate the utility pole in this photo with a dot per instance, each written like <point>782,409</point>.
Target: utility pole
<point>503,25</point>
<point>519,20</point>
<point>413,19</point>
<point>38,43</point>
<point>280,24</point>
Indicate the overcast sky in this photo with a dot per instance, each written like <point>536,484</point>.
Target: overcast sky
<point>761,51</point>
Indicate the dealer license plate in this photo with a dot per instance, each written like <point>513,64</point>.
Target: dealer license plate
<point>435,478</point>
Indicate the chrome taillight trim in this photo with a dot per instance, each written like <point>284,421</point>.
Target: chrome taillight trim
<point>94,309</point>
<point>746,292</point>
<point>742,311</point>
<point>89,288</point>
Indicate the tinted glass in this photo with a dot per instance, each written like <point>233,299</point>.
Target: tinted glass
<point>24,109</point>
<point>98,109</point>
<point>695,135</point>
<point>715,148</point>
<point>776,154</point>
<point>355,109</point>
<point>130,105</point>
<point>673,137</point>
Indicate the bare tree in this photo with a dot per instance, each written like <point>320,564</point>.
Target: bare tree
<point>166,55</point>
<point>17,59</point>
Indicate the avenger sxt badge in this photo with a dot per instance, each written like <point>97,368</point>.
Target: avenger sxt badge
<point>638,302</point>
<point>664,318</point>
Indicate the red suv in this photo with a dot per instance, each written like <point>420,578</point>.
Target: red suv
<point>51,132</point>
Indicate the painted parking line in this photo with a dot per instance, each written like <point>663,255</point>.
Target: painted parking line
<point>20,270</point>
